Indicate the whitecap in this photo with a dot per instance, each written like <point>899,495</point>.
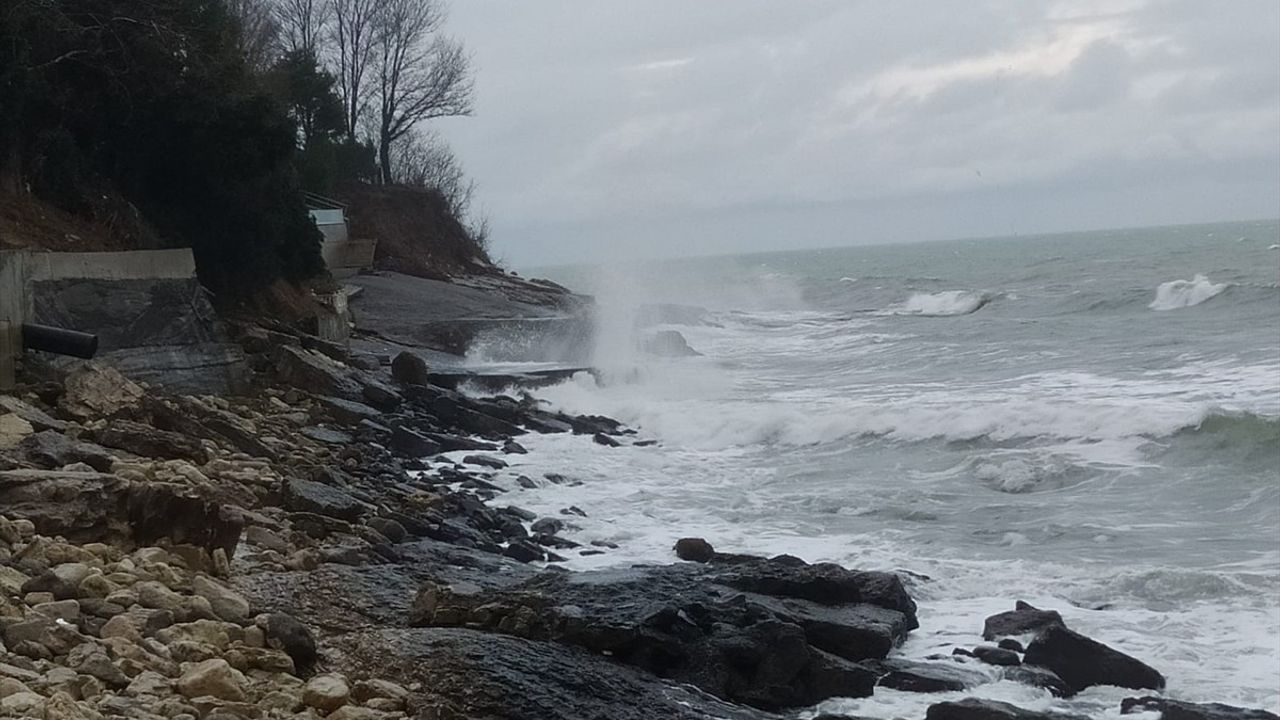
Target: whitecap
<point>942,304</point>
<point>1177,294</point>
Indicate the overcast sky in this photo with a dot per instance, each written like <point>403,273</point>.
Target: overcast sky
<point>607,128</point>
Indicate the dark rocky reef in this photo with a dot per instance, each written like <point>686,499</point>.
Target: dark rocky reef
<point>770,633</point>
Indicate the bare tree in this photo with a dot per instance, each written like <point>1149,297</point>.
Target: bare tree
<point>420,74</point>
<point>427,161</point>
<point>259,32</point>
<point>302,23</point>
<point>354,35</point>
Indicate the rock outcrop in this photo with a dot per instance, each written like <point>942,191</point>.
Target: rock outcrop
<point>767,633</point>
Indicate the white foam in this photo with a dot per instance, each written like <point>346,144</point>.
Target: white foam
<point>942,304</point>
<point>1177,294</point>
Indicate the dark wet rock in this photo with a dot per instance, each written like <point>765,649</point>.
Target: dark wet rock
<point>52,450</point>
<point>511,447</point>
<point>321,499</point>
<point>547,525</point>
<point>410,369</point>
<point>450,443</point>
<point>469,416</point>
<point>694,550</point>
<point>162,511</point>
<point>558,479</point>
<point>413,443</point>
<point>1024,619</point>
<point>592,424</point>
<point>975,709</point>
<point>520,513</point>
<point>313,372</point>
<point>469,674</point>
<point>602,439</point>
<point>380,396</point>
<point>573,510</point>
<point>545,423</point>
<point>484,461</point>
<point>1179,710</point>
<point>688,623</point>
<point>526,482</point>
<point>524,551</point>
<point>1083,662</point>
<point>668,343</point>
<point>390,529</point>
<point>1039,677</point>
<point>146,441</point>
<point>912,676</point>
<point>349,412</point>
<point>823,583</point>
<point>328,436</point>
<point>1011,644</point>
<point>288,634</point>
<point>996,656</point>
<point>555,541</point>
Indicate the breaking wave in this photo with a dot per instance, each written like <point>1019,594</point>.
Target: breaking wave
<point>943,304</point>
<point>1177,294</point>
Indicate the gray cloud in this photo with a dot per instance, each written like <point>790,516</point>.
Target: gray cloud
<point>615,127</point>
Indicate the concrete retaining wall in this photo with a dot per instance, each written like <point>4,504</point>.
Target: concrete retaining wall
<point>131,265</point>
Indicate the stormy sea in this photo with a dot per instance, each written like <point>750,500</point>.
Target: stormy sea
<point>1088,422</point>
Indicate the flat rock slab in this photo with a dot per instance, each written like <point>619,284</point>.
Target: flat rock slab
<point>1178,710</point>
<point>975,709</point>
<point>912,676</point>
<point>342,599</point>
<point>472,675</point>
<point>691,623</point>
<point>321,499</point>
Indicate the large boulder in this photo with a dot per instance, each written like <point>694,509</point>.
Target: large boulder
<point>410,369</point>
<point>668,343</point>
<point>315,373</point>
<point>771,634</point>
<point>93,391</point>
<point>1082,662</point>
<point>1024,619</point>
<point>163,511</point>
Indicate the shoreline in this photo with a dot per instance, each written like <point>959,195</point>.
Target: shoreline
<point>329,539</point>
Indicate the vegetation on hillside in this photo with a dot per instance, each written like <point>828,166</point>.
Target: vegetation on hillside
<point>208,118</point>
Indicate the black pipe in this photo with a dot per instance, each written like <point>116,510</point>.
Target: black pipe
<point>59,341</point>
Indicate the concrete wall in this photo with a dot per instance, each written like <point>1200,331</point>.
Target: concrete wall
<point>132,265</point>
<point>13,312</point>
<point>349,257</point>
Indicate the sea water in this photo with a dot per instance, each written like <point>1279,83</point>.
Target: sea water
<point>1089,422</point>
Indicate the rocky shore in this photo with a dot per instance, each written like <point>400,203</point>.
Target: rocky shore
<point>331,546</point>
